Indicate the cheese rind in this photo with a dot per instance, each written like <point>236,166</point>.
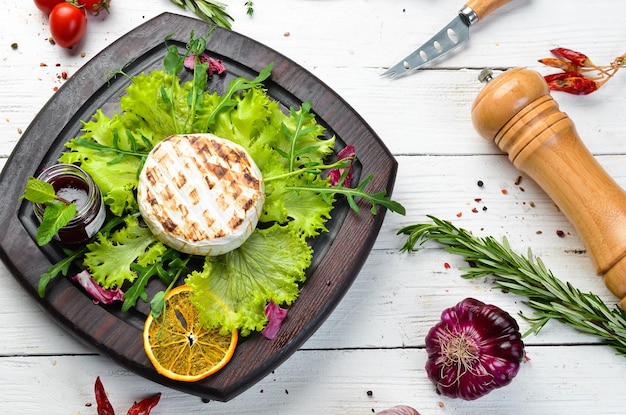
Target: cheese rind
<point>200,194</point>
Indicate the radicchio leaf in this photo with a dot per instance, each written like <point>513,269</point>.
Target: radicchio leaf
<point>275,316</point>
<point>215,65</point>
<point>97,293</point>
<point>335,175</point>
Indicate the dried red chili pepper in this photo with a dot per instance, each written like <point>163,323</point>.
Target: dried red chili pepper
<point>104,406</point>
<point>581,76</point>
<point>567,66</point>
<point>145,406</point>
<point>578,85</point>
<point>561,75</point>
<point>577,58</point>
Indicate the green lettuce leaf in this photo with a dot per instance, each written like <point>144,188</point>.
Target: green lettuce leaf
<point>268,266</point>
<point>109,259</point>
<point>147,103</point>
<point>115,176</point>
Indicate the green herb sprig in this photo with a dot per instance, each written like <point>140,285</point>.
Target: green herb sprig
<point>527,276</point>
<point>57,213</point>
<point>209,10</point>
<point>249,7</point>
<point>237,85</point>
<point>63,266</point>
<point>350,193</point>
<point>301,129</point>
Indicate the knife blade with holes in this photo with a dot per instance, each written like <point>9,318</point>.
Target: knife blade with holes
<point>448,38</point>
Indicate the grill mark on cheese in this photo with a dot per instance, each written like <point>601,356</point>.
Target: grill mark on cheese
<point>169,225</point>
<point>209,219</point>
<point>249,204</point>
<point>180,180</point>
<point>209,183</point>
<point>153,176</point>
<point>235,222</point>
<point>179,168</point>
<point>195,198</point>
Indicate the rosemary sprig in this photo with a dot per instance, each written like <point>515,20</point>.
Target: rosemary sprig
<point>209,10</point>
<point>527,276</point>
<point>249,7</point>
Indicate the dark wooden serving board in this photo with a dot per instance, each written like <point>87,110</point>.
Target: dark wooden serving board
<point>339,254</point>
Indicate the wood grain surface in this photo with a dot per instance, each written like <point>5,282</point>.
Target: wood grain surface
<point>369,353</point>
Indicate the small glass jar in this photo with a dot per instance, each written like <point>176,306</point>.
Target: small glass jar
<point>72,183</point>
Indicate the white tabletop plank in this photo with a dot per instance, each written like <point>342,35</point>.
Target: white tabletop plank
<point>374,339</point>
<point>335,382</point>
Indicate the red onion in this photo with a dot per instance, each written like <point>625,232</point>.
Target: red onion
<point>399,410</point>
<point>474,349</point>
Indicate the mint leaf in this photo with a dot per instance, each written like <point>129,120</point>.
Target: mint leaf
<point>55,216</point>
<point>38,191</point>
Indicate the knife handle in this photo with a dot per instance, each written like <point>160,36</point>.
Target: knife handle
<point>516,110</point>
<point>484,7</point>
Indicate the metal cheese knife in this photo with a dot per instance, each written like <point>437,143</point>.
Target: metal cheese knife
<point>451,36</point>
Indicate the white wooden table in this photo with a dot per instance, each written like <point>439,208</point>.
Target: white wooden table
<point>374,340</point>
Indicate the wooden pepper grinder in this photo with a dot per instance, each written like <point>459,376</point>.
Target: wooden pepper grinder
<point>515,110</point>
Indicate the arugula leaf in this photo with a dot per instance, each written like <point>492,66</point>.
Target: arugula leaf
<point>303,132</point>
<point>62,267</point>
<point>172,267</point>
<point>375,199</point>
<point>138,289</point>
<point>236,85</point>
<point>98,148</point>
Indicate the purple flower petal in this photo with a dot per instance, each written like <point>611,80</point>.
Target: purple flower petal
<point>98,294</point>
<point>275,316</point>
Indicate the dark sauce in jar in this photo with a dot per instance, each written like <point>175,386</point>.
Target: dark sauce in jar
<point>72,189</point>
<point>74,185</point>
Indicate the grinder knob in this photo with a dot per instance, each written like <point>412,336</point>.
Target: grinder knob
<point>516,111</point>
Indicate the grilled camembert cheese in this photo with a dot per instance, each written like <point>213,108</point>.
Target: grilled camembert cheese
<point>200,194</point>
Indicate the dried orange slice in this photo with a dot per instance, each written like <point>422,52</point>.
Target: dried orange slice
<point>179,347</point>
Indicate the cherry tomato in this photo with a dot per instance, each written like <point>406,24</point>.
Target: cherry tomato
<point>46,6</point>
<point>67,24</point>
<point>94,7</point>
